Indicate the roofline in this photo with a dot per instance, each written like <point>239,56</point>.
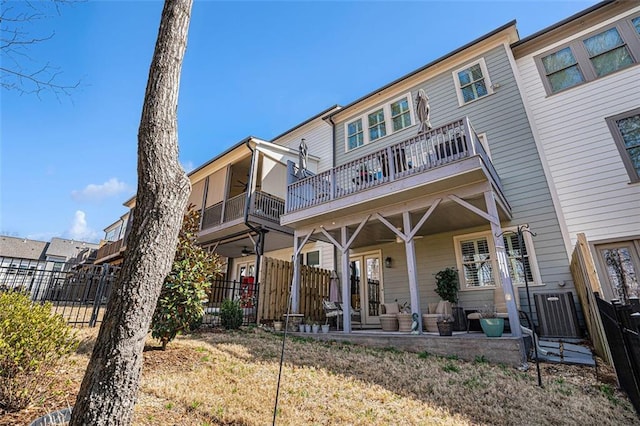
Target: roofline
<point>319,115</point>
<point>563,22</point>
<point>429,65</point>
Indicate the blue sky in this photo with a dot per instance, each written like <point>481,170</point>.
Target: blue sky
<point>251,68</point>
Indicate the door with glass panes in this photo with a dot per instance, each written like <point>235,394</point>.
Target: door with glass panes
<point>365,278</point>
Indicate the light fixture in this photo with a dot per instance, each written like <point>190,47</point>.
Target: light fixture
<point>387,262</point>
<point>245,252</point>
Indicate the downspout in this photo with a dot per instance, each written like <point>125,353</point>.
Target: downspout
<point>333,165</point>
<point>259,246</point>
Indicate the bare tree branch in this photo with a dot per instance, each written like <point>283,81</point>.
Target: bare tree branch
<point>19,71</point>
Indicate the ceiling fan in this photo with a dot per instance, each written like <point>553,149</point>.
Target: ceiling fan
<point>245,252</point>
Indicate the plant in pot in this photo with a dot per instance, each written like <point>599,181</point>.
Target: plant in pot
<point>315,327</point>
<point>447,289</point>
<point>445,325</point>
<point>404,317</point>
<point>307,325</point>
<point>490,323</point>
<point>277,325</point>
<point>325,326</point>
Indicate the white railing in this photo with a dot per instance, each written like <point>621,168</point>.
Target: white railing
<point>264,205</point>
<point>428,150</point>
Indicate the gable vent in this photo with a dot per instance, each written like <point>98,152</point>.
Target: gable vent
<point>557,315</point>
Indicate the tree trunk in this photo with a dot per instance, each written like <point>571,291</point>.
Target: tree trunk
<point>110,385</point>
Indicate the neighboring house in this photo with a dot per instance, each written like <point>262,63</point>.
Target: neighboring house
<point>24,261</point>
<point>240,194</point>
<point>581,84</point>
<point>414,190</point>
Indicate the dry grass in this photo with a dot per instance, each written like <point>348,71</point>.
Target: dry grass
<point>230,378</point>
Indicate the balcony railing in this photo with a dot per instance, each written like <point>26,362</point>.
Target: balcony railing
<point>109,249</point>
<point>264,205</point>
<point>437,147</point>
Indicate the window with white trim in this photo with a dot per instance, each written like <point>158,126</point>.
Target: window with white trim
<point>355,135</point>
<point>477,261</point>
<point>472,82</point>
<point>625,129</point>
<point>582,60</point>
<point>391,117</point>
<point>377,126</point>
<point>313,258</point>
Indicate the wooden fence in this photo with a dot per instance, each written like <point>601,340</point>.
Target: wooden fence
<point>275,283</point>
<point>586,282</point>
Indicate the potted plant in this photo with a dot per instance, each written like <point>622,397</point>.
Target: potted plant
<point>315,327</point>
<point>307,325</point>
<point>490,323</point>
<point>447,289</point>
<point>277,325</point>
<point>325,326</point>
<point>445,325</point>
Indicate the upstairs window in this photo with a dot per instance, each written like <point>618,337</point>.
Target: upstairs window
<point>400,114</point>
<point>608,52</point>
<point>377,126</point>
<point>561,70</point>
<point>625,129</point>
<point>472,82</point>
<point>599,54</point>
<point>355,135</point>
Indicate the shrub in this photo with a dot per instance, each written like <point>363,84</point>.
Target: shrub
<point>231,314</point>
<point>33,341</point>
<point>180,305</point>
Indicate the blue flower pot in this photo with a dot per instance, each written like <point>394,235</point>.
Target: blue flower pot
<point>492,327</point>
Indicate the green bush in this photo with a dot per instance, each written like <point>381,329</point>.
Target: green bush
<point>180,305</point>
<point>231,314</point>
<point>33,341</point>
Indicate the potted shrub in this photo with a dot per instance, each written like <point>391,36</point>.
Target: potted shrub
<point>307,325</point>
<point>447,289</point>
<point>445,325</point>
<point>325,326</point>
<point>490,323</point>
<point>315,327</point>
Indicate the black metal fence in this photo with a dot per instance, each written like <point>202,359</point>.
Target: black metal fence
<point>622,327</point>
<point>245,292</point>
<point>79,295</point>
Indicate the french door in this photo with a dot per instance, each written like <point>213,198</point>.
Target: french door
<point>365,273</point>
<point>620,264</point>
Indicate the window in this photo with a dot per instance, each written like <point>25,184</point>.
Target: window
<point>620,263</point>
<point>608,52</point>
<point>472,82</point>
<point>355,135</point>
<point>400,114</point>
<point>476,258</point>
<point>561,69</point>
<point>625,129</point>
<point>313,258</point>
<point>476,263</point>
<point>598,54</point>
<point>395,115</point>
<point>377,127</point>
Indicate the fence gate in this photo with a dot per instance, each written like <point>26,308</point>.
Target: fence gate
<point>622,327</point>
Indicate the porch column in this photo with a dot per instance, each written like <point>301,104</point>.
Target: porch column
<point>295,284</point>
<point>346,283</point>
<point>501,254</point>
<point>412,270</point>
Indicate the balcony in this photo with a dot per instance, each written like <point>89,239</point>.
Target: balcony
<point>434,161</point>
<point>265,207</point>
<point>109,251</point>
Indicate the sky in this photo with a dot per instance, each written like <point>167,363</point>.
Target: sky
<point>68,162</point>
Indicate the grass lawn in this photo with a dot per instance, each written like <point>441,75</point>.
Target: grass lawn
<point>230,378</point>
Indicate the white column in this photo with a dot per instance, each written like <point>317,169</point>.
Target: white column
<point>503,265</point>
<point>412,270</point>
<point>295,285</point>
<point>346,283</point>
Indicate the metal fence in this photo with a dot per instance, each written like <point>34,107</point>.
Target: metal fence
<point>245,292</point>
<point>622,327</point>
<point>79,295</point>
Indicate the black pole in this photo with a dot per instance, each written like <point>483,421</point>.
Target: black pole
<point>520,232</point>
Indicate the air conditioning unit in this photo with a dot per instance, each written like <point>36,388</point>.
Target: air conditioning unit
<point>557,315</point>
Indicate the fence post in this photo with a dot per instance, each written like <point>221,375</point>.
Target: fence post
<point>99,293</point>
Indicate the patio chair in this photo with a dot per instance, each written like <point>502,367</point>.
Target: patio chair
<point>499,305</point>
<point>436,310</point>
<point>355,314</point>
<point>331,310</point>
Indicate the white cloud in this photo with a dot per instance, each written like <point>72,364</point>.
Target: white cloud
<point>80,230</point>
<point>93,192</point>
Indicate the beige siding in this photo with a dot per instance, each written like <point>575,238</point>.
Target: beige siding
<point>273,177</point>
<point>326,253</point>
<point>317,136</point>
<point>197,191</point>
<point>215,193</point>
<point>584,163</point>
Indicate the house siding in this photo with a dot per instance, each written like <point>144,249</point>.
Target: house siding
<point>318,137</point>
<point>585,166</point>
